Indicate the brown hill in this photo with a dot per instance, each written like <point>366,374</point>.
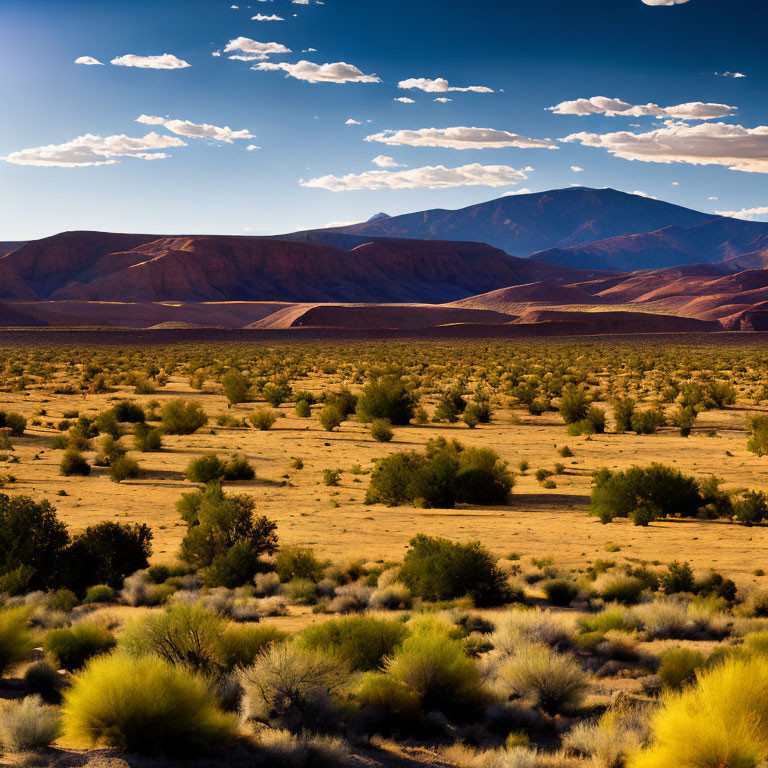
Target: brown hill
<point>530,293</point>
<point>620,321</point>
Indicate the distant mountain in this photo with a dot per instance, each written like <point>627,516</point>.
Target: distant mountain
<point>378,217</point>
<point>524,224</point>
<point>713,241</point>
<point>97,266</point>
<point>7,247</point>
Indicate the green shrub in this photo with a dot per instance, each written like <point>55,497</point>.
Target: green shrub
<point>331,476</point>
<point>180,634</point>
<point>381,430</point>
<point>183,417</point>
<point>294,562</point>
<point>331,417</point>
<point>99,593</point>
<point>13,421</point>
<point>71,647</point>
<point>43,679</point>
<point>552,680</point>
<point>263,419</point>
<point>205,469</point>
<point>240,646</point>
<point>719,721</point>
<point>386,398</point>
<point>560,592</point>
<point>276,393</point>
<point>16,639</point>
<point>237,469</point>
<point>620,589</point>
<point>391,701</point>
<point>434,668</point>
<point>678,667</point>
<point>128,411</point>
<point>758,438</point>
<point>147,439</point>
<point>573,405</point>
<point>28,725</point>
<point>751,508</point>
<point>647,422</point>
<point>439,569</point>
<point>677,578</point>
<point>363,642</point>
<point>644,494</point>
<point>303,411</point>
<point>143,705</point>
<point>123,468</point>
<point>73,463</point>
<point>235,386</point>
<point>623,410</point>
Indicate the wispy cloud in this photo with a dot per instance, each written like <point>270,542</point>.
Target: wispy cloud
<point>602,105</point>
<point>459,137</point>
<point>439,85</point>
<point>431,176</point>
<point>196,130</point>
<point>336,72</point>
<point>748,214</point>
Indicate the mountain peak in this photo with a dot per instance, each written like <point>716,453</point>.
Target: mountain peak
<point>378,217</point>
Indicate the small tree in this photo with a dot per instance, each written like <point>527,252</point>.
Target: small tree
<point>573,405</point>
<point>386,398</point>
<point>623,409</point>
<point>235,386</point>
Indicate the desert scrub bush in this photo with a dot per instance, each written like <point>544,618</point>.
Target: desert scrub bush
<point>235,386</point>
<point>303,409</point>
<point>751,508</point>
<point>386,397</point>
<point>147,439</point>
<point>523,627</point>
<point>574,404</point>
<point>263,419</point>
<point>551,680</point>
<point>28,725</point>
<point>99,593</point>
<point>644,494</point>
<point>381,430</point>
<point>240,646</point>
<point>73,463</point>
<point>295,562</point>
<point>613,738</point>
<point>123,468</point>
<point>433,667</point>
<point>439,569</point>
<point>647,422</point>
<point>181,634</point>
<point>205,469</point>
<point>128,411</point>
<point>516,756</point>
<point>330,417</point>
<point>560,592</point>
<point>678,667</point>
<point>143,705</point>
<point>44,680</point>
<point>15,422</point>
<point>71,647</point>
<point>16,638</point>
<point>331,477</point>
<point>362,641</point>
<point>617,588</point>
<point>293,686</point>
<point>719,721</point>
<point>304,750</point>
<point>758,435</point>
<point>182,417</point>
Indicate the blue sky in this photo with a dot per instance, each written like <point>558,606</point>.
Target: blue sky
<point>656,66</point>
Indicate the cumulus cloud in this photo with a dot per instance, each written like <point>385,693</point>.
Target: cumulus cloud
<point>352,121</point>
<point>576,169</point>
<point>640,193</point>
<point>442,99</point>
<point>385,161</point>
<point>735,147</point>
<point>95,150</point>
<point>601,105</point>
<point>89,61</point>
<point>746,213</point>
<point>166,61</point>
<point>336,72</point>
<point>254,49</point>
<point>252,147</point>
<point>196,130</point>
<point>460,137</point>
<point>264,17</point>
<point>432,176</point>
<point>438,85</point>
<point>730,74</point>
<point>405,100</point>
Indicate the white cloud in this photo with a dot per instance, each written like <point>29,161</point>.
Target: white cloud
<point>336,72</point>
<point>459,137</point>
<point>664,2</point>
<point>735,147</point>
<point>576,169</point>
<point>195,130</point>
<point>713,198</point>
<point>300,2</point>
<point>254,49</point>
<point>264,17</point>
<point>601,105</point>
<point>335,224</point>
<point>166,61</point>
<point>730,74</point>
<point>442,99</point>
<point>385,161</point>
<point>252,147</point>
<point>640,193</point>
<point>432,176</point>
<point>438,85</point>
<point>521,191</point>
<point>89,61</point>
<point>95,150</point>
<point>352,121</point>
<point>405,100</point>
<point>746,213</point>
